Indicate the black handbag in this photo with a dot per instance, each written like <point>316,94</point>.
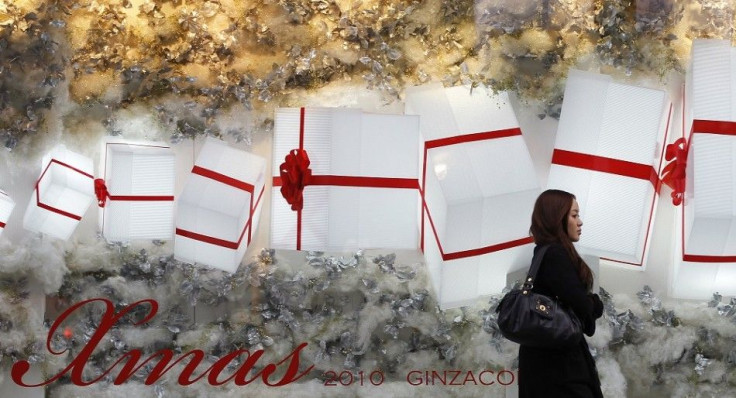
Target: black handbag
<point>533,319</point>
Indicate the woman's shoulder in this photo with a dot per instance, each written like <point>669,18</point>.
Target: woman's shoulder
<point>554,247</point>
<point>555,253</point>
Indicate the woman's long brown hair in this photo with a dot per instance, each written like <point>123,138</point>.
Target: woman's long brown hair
<point>549,225</point>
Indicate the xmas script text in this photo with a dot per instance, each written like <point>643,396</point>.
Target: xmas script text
<point>162,360</point>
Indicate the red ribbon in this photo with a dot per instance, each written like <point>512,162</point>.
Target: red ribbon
<point>606,165</point>
<point>38,189</point>
<point>673,174</point>
<point>227,180</point>
<point>101,192</point>
<point>103,195</point>
<point>455,140</point>
<point>295,175</point>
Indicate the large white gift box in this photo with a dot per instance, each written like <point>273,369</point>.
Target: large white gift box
<point>360,187</point>
<point>218,212</point>
<point>62,193</point>
<point>608,153</point>
<point>6,207</point>
<point>479,187</point>
<point>706,237</point>
<point>136,190</point>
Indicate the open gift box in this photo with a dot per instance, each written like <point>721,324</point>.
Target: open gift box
<point>218,211</point>
<point>479,188</point>
<point>6,208</point>
<point>135,190</point>
<point>61,195</point>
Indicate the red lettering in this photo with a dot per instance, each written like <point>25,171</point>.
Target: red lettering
<point>415,382</point>
<point>480,377</point>
<point>76,367</point>
<point>161,367</point>
<point>164,357</point>
<point>290,376</point>
<point>469,377</point>
<point>455,373</point>
<point>498,377</point>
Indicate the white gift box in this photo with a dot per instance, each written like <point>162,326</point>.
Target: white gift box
<point>139,180</point>
<point>6,207</point>
<point>62,194</point>
<point>479,190</point>
<point>706,260</point>
<point>363,192</point>
<point>608,153</point>
<point>218,212</point>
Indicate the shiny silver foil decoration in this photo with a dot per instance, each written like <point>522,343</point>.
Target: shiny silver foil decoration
<point>701,362</point>
<point>627,328</point>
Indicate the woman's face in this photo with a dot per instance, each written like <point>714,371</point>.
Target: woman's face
<point>574,222</point>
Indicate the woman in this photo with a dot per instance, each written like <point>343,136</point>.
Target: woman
<point>568,372</point>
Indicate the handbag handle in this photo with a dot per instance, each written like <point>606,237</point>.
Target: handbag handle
<point>532,275</point>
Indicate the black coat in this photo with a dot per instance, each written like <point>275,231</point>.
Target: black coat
<point>569,372</point>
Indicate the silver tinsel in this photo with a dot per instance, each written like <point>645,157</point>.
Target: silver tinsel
<point>728,310</point>
<point>660,316</point>
<point>333,266</point>
<point>646,296</point>
<point>701,362</point>
<point>665,318</point>
<point>627,328</point>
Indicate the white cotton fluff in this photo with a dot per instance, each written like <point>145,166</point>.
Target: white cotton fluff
<point>143,336</point>
<point>139,122</point>
<point>82,133</point>
<point>602,336</point>
<point>637,370</point>
<point>666,345</point>
<point>133,291</point>
<point>37,256</point>
<point>613,381</point>
<point>346,94</point>
<point>129,389</point>
<point>93,255</point>
<point>698,313</point>
<point>714,373</point>
<point>369,319</point>
<point>625,302</point>
<point>204,339</point>
<point>477,351</point>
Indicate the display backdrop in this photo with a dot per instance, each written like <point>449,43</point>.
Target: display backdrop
<point>73,72</point>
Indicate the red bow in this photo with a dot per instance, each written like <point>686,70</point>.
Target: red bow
<point>101,192</point>
<point>674,173</point>
<point>295,175</point>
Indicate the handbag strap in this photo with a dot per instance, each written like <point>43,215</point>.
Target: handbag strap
<point>536,262</point>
